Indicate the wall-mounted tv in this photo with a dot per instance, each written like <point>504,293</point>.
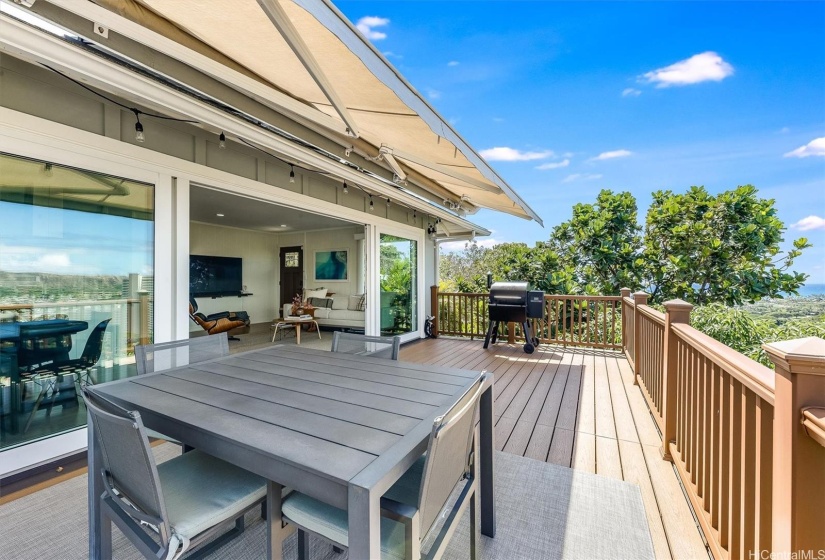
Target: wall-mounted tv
<point>215,276</point>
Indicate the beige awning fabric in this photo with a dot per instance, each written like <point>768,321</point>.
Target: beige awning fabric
<point>384,108</point>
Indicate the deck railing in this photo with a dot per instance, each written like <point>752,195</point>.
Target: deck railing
<point>592,321</point>
<point>735,430</point>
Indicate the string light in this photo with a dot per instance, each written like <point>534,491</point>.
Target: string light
<point>291,173</point>
<point>388,203</point>
<point>346,189</point>
<point>47,170</point>
<point>222,141</point>
<point>415,215</point>
<point>139,136</point>
<point>372,206</point>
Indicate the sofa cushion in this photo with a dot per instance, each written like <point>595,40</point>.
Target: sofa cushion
<point>345,314</point>
<point>340,302</point>
<point>322,312</point>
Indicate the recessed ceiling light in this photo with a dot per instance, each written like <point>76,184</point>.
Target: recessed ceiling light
<point>283,225</point>
<point>219,215</point>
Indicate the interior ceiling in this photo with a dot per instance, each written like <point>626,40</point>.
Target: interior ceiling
<point>246,213</point>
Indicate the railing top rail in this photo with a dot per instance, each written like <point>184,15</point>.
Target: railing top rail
<point>813,419</point>
<point>628,301</point>
<point>654,314</point>
<point>752,374</point>
<point>589,298</point>
<point>474,294</point>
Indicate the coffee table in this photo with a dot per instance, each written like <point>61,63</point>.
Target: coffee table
<point>296,323</point>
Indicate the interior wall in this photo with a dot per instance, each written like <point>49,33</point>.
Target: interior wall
<point>259,251</point>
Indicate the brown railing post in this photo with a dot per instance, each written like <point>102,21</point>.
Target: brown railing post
<point>434,309</point>
<point>676,311</point>
<point>625,292</point>
<point>798,460</point>
<point>639,298</point>
<point>144,317</point>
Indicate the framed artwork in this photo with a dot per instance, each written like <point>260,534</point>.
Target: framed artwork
<point>331,266</point>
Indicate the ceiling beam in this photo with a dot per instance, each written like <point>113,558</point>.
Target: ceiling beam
<point>280,20</point>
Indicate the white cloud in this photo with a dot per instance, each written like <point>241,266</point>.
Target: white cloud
<point>815,147</point>
<point>631,92</point>
<point>554,165</point>
<point>453,63</point>
<point>498,119</point>
<point>366,24</point>
<point>582,177</point>
<point>810,223</point>
<point>784,130</point>
<point>703,67</point>
<point>511,154</point>
<point>612,155</point>
<point>390,54</point>
<point>433,93</point>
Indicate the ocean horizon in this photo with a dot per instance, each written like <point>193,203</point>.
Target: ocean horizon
<point>812,290</point>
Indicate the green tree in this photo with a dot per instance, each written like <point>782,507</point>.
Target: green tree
<point>600,244</point>
<point>724,248</point>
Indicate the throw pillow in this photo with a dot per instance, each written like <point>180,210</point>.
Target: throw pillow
<point>354,301</point>
<point>340,303</point>
<point>315,293</point>
<point>362,303</point>
<point>320,302</point>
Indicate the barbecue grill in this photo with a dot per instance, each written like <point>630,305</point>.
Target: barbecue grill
<point>512,302</point>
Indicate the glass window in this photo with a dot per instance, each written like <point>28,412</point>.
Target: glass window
<point>292,260</point>
<point>76,290</point>
<point>399,285</point>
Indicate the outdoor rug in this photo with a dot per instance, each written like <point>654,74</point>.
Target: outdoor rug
<point>543,511</point>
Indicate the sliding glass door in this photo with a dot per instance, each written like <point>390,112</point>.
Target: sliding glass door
<point>398,282</point>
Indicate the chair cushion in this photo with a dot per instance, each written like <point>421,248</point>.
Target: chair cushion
<point>331,523</point>
<point>201,491</point>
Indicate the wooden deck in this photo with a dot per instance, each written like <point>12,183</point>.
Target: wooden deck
<point>579,408</point>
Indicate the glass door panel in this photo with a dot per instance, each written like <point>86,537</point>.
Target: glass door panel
<point>398,284</point>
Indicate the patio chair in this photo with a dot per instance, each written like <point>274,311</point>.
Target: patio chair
<point>373,346</point>
<point>167,355</point>
<point>166,509</point>
<point>411,507</point>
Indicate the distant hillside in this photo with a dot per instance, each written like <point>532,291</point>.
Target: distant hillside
<point>782,310</point>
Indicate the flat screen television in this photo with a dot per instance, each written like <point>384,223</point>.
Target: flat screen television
<point>215,276</point>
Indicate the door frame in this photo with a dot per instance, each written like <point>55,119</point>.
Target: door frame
<point>301,259</point>
<point>373,318</point>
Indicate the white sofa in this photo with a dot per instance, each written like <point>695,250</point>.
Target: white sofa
<point>335,317</point>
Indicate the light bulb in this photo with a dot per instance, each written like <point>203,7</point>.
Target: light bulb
<point>139,136</point>
<point>388,203</point>
<point>346,189</point>
<point>372,207</point>
<point>222,141</point>
<point>47,170</point>
<point>291,174</point>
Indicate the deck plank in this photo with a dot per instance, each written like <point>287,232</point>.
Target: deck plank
<point>579,408</point>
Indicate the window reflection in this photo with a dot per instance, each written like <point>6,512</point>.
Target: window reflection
<point>76,290</point>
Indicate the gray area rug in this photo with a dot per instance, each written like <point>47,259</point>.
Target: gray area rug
<point>543,511</point>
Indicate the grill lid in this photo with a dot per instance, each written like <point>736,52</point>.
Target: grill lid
<point>513,293</point>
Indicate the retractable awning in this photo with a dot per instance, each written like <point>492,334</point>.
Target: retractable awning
<point>306,59</point>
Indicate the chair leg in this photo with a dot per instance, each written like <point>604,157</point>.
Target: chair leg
<point>35,408</point>
<point>337,549</point>
<point>303,545</point>
<point>473,528</point>
<point>263,510</point>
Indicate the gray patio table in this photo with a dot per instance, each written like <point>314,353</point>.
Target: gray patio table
<point>339,427</point>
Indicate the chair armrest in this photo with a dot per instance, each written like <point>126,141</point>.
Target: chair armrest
<point>397,511</point>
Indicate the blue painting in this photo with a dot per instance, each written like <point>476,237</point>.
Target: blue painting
<point>331,265</point>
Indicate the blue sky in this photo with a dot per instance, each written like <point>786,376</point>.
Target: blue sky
<point>634,96</point>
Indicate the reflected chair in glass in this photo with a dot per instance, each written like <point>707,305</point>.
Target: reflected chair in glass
<point>165,509</point>
<point>372,346</point>
<point>411,507</point>
<point>49,377</point>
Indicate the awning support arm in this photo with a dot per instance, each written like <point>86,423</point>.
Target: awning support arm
<point>279,19</point>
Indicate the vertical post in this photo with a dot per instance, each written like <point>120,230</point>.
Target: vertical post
<point>676,311</point>
<point>434,309</point>
<point>511,333</point>
<point>798,460</point>
<point>625,294</point>
<point>144,317</point>
<point>639,298</point>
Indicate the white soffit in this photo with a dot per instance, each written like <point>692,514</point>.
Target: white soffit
<point>385,108</point>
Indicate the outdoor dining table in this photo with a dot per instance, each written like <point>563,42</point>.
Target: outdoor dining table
<point>341,428</point>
